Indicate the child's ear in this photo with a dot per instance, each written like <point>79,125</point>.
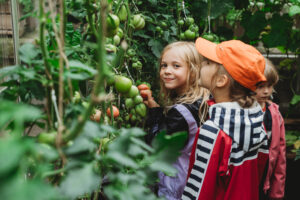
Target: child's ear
<point>222,80</point>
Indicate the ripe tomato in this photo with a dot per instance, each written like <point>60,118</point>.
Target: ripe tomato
<point>96,117</point>
<point>116,111</point>
<point>143,86</point>
<point>144,93</point>
<point>122,84</point>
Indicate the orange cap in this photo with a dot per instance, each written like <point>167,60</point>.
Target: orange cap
<point>242,61</point>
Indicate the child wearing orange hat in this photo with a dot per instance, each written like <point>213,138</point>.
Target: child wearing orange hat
<point>231,151</point>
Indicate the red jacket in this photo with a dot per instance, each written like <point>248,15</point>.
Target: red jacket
<point>229,155</point>
<point>275,179</point>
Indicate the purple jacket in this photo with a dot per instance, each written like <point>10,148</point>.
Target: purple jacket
<point>172,187</point>
<point>275,180</point>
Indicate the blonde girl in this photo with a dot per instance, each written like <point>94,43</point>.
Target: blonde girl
<point>184,108</point>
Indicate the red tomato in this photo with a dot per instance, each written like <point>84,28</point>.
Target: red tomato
<point>144,93</point>
<point>143,87</point>
<point>115,111</point>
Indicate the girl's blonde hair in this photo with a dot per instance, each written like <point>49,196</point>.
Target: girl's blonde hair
<point>271,73</point>
<point>242,95</point>
<point>193,91</point>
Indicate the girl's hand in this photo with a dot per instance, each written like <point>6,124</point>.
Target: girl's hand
<point>148,99</point>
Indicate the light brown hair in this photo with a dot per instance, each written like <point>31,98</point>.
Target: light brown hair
<point>271,73</point>
<point>193,91</point>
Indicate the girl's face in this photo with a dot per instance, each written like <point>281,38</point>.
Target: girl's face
<point>263,92</point>
<point>208,69</point>
<point>174,71</point>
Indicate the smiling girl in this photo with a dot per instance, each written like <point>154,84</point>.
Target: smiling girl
<point>184,108</point>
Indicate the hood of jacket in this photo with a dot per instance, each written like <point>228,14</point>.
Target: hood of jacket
<point>243,125</point>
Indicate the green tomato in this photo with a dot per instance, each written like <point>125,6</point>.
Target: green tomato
<point>112,21</point>
<point>189,21</point>
<point>120,33</point>
<point>138,99</point>
<point>117,40</point>
<point>76,98</point>
<point>129,103</point>
<point>209,37</point>
<point>158,28</point>
<point>182,36</point>
<point>164,25</point>
<point>190,35</point>
<point>138,21</point>
<point>131,52</point>
<point>122,84</point>
<point>141,109</point>
<point>180,22</point>
<point>133,91</point>
<point>133,118</point>
<point>110,79</point>
<point>122,14</point>
<point>47,138</point>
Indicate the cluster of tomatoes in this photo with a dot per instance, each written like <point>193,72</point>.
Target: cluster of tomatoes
<point>189,30</point>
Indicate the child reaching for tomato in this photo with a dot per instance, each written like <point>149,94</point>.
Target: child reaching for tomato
<point>183,101</point>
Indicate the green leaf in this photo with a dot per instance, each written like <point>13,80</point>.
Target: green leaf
<point>295,100</point>
<point>294,10</point>
<point>253,23</point>
<point>122,159</point>
<point>17,113</point>
<point>80,181</point>
<point>156,47</point>
<point>11,152</point>
<point>28,52</point>
<point>19,189</point>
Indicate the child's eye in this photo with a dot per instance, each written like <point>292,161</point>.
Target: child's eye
<point>176,66</point>
<point>163,65</point>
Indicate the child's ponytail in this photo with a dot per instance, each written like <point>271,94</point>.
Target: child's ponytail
<point>244,96</point>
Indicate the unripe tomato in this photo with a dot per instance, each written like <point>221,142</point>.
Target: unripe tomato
<point>164,25</point>
<point>129,103</point>
<point>116,111</point>
<point>180,22</point>
<point>138,21</point>
<point>143,86</point>
<point>209,37</point>
<point>133,118</point>
<point>122,14</point>
<point>122,84</point>
<point>110,48</point>
<point>116,40</point>
<point>138,99</point>
<point>189,21</point>
<point>120,32</point>
<point>182,36</point>
<point>141,109</point>
<point>47,138</point>
<point>133,91</point>
<point>158,28</point>
<point>190,35</point>
<point>112,21</point>
<point>76,98</point>
<point>131,52</point>
<point>110,79</point>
